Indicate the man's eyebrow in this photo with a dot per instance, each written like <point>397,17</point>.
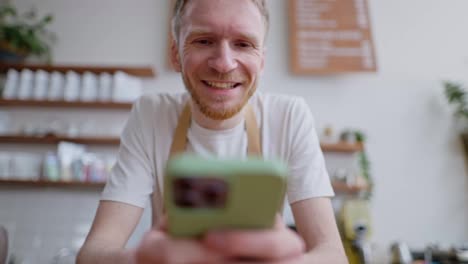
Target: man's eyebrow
<point>243,35</point>
<point>250,37</point>
<point>198,32</point>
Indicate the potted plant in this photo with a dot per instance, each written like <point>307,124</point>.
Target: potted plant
<point>22,35</point>
<point>456,96</point>
<point>364,180</point>
<point>364,163</point>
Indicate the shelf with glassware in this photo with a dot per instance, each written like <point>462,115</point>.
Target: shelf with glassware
<point>137,71</point>
<point>115,141</point>
<point>49,183</point>
<point>72,86</point>
<point>53,139</point>
<point>17,103</point>
<point>70,165</point>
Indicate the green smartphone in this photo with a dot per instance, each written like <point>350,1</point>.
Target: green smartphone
<point>202,194</point>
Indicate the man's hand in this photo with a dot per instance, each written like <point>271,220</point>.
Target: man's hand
<point>277,245</point>
<point>158,247</point>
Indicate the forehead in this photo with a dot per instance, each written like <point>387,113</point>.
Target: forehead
<point>223,16</point>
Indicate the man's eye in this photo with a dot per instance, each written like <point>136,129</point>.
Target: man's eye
<point>244,45</point>
<point>203,42</point>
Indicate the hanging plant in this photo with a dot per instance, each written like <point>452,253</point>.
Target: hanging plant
<point>456,96</point>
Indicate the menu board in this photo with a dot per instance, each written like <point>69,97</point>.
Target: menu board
<point>330,36</point>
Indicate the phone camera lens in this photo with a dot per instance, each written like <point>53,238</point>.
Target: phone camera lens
<point>215,194</point>
<point>198,192</point>
<point>186,193</point>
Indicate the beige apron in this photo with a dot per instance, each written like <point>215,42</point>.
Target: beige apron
<point>179,144</point>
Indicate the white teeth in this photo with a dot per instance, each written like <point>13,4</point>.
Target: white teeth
<point>221,85</point>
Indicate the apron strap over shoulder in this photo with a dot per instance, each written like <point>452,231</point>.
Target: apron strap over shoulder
<point>254,146</point>
<point>179,142</point>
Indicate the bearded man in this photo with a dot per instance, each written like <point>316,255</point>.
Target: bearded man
<point>219,50</point>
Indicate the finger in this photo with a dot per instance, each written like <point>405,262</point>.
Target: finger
<point>156,247</point>
<point>294,260</point>
<point>162,225</point>
<point>279,223</point>
<point>274,244</point>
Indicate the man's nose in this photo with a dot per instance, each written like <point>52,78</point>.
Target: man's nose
<point>223,60</point>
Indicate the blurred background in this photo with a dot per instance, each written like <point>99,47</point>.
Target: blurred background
<point>392,143</point>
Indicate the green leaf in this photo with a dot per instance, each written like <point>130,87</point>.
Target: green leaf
<point>48,19</point>
<point>7,10</point>
<point>456,96</point>
<point>25,33</point>
<point>359,135</point>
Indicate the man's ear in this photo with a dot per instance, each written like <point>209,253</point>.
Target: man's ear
<point>175,58</point>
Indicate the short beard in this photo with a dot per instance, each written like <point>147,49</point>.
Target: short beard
<point>223,114</point>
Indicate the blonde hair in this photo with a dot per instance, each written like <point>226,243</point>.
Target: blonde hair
<point>179,11</point>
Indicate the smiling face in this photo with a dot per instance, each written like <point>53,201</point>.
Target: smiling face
<point>220,54</point>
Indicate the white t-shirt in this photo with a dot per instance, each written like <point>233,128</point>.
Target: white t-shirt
<point>287,133</point>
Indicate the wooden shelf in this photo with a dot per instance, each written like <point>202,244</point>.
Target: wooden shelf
<point>147,72</point>
<point>45,183</point>
<point>65,104</point>
<point>342,187</point>
<point>341,147</point>
<point>51,139</point>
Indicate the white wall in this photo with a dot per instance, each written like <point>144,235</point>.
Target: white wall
<point>421,193</point>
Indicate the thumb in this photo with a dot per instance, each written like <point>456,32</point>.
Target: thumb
<point>279,223</point>
<point>163,224</point>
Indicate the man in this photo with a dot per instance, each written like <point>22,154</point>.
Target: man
<point>219,49</point>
